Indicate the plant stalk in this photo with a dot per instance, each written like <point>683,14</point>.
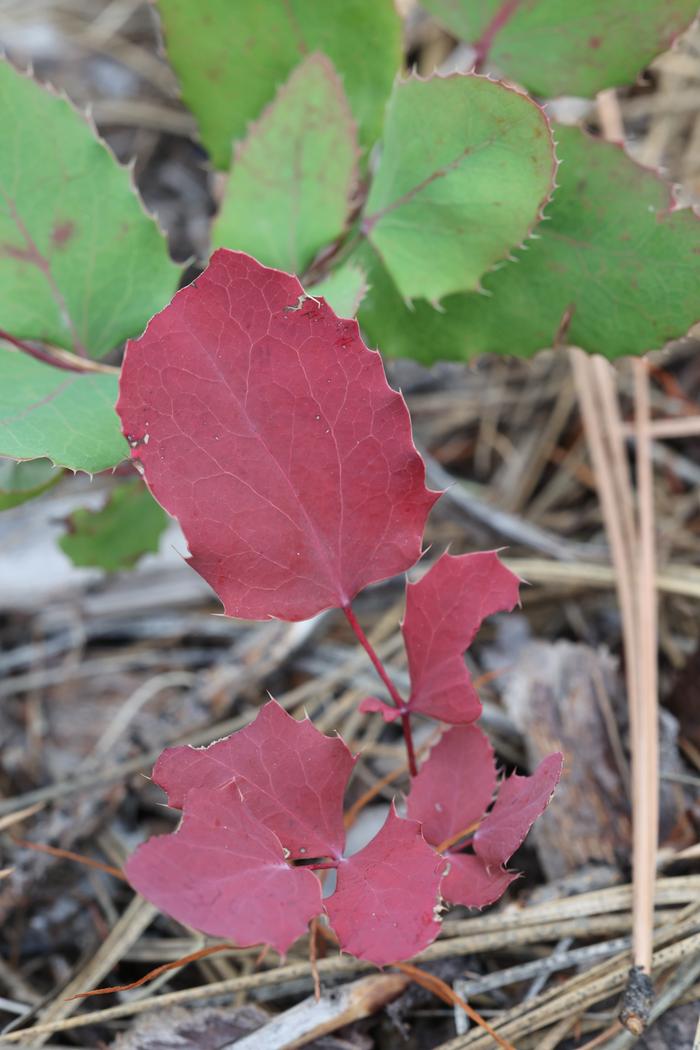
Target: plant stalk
<point>391,688</point>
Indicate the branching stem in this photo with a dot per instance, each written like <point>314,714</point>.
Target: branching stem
<point>58,358</point>
<point>391,688</point>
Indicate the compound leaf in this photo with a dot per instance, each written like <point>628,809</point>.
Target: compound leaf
<point>128,526</point>
<point>384,905</point>
<point>291,777</point>
<point>81,264</point>
<point>467,165</point>
<point>225,873</point>
<point>265,425</point>
<point>289,192</point>
<point>230,62</point>
<point>562,47</point>
<point>67,417</point>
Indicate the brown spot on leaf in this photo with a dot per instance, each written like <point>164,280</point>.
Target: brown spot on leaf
<point>595,42</point>
<point>28,255</point>
<point>62,233</point>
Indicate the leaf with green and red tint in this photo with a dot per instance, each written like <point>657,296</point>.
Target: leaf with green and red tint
<point>466,169</point>
<point>82,266</point>
<point>444,610</point>
<point>66,417</point>
<point>225,873</point>
<point>615,270</point>
<point>265,425</point>
<point>564,47</point>
<point>290,190</point>
<point>230,58</point>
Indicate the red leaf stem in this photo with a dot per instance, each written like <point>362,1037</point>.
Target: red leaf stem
<point>391,688</point>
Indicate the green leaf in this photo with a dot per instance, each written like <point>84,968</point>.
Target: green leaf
<point>614,270</point>
<point>20,482</point>
<point>566,47</point>
<point>467,165</point>
<point>343,289</point>
<point>128,526</point>
<point>231,57</point>
<point>81,264</point>
<point>289,192</point>
<point>400,329</point>
<point>67,417</point>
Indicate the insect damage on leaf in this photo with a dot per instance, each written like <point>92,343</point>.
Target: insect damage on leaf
<point>444,610</point>
<point>276,441</point>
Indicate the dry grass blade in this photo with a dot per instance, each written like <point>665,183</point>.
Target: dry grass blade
<point>501,931</point>
<point>67,854</point>
<point>443,991</point>
<point>644,744</point>
<point>23,814</point>
<point>574,995</point>
<point>633,553</point>
<point>176,964</point>
<point>137,916</point>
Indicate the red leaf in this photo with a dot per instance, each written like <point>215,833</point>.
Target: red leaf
<point>222,872</point>
<point>471,883</point>
<point>265,425</point>
<point>520,802</point>
<point>455,784</point>
<point>452,791</point>
<point>383,908</point>
<point>291,777</point>
<point>444,610</point>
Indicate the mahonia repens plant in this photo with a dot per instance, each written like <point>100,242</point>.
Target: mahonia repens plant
<point>447,212</point>
<point>265,425</point>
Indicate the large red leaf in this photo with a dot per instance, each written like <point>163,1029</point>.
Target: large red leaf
<point>224,873</point>
<point>291,777</point>
<point>384,905</point>
<point>455,784</point>
<point>444,610</point>
<point>520,802</point>
<point>266,426</point>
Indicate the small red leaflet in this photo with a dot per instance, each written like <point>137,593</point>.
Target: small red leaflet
<point>451,794</point>
<point>444,610</point>
<point>385,905</point>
